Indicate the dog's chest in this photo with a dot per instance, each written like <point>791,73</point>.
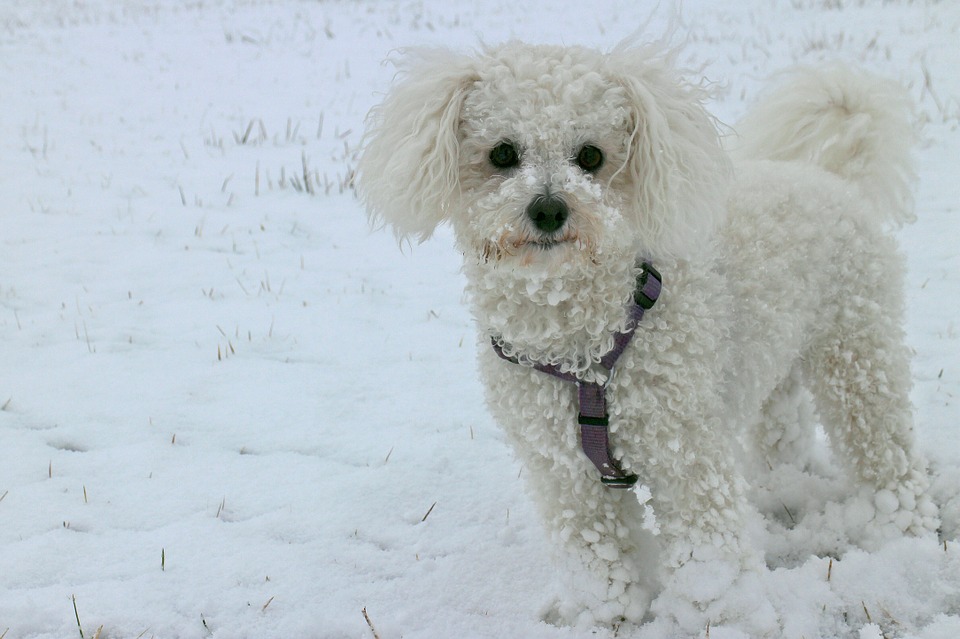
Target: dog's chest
<point>567,319</point>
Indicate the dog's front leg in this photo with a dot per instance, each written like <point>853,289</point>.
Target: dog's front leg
<point>712,573</point>
<point>682,451</point>
<point>593,528</point>
<point>670,423</point>
<point>597,531</point>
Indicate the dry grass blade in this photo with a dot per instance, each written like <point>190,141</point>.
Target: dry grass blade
<point>246,134</point>
<point>307,182</point>
<point>370,623</point>
<point>789,514</point>
<point>430,510</point>
<point>77,615</point>
<point>928,86</point>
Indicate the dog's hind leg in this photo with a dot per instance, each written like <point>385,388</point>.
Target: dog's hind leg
<point>859,373</point>
<point>786,429</point>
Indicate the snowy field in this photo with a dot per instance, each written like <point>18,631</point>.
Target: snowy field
<point>228,409</point>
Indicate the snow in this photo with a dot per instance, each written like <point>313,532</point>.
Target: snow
<point>230,410</point>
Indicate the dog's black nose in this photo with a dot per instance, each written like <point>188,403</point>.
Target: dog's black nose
<point>548,213</point>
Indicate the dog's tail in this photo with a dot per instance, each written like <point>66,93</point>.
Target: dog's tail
<point>848,122</point>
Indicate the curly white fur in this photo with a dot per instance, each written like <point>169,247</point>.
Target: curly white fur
<point>851,124</point>
<point>776,272</point>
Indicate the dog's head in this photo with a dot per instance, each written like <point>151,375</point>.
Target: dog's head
<point>540,154</point>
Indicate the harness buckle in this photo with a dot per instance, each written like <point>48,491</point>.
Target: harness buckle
<point>593,421</point>
<point>648,290</point>
<point>627,481</point>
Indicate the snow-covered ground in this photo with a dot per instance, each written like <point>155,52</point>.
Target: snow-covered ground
<point>228,409</point>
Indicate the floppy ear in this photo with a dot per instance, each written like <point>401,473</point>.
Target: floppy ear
<point>408,170</point>
<point>676,167</point>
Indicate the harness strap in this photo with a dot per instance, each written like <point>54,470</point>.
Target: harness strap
<point>592,416</point>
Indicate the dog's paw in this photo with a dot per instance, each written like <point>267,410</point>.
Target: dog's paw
<point>873,517</point>
<point>943,490</point>
<point>703,594</point>
<point>580,609</point>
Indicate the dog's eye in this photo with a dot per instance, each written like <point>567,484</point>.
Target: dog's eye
<point>504,156</point>
<point>590,158</point>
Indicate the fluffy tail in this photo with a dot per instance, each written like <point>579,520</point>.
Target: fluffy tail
<point>846,121</point>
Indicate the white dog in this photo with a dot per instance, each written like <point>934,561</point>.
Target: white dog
<point>576,181</point>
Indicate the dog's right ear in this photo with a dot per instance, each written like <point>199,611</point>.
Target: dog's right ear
<point>408,170</point>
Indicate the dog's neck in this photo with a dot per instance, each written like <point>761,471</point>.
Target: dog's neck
<point>565,314</point>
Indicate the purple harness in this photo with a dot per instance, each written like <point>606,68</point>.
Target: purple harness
<point>593,417</point>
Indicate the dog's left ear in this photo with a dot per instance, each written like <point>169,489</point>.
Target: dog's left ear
<point>677,169</point>
<point>408,171</point>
